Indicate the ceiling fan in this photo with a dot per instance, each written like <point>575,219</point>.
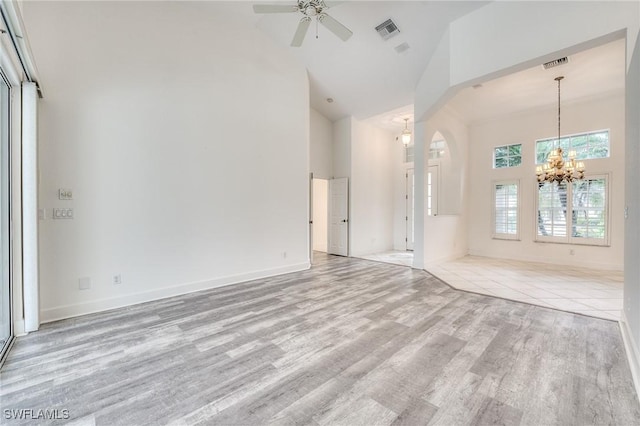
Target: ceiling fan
<point>310,9</point>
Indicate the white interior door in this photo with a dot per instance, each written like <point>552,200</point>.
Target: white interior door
<point>410,207</point>
<point>339,216</point>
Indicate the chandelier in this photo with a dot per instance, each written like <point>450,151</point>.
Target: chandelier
<point>556,169</point>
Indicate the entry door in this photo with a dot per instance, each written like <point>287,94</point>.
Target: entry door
<point>410,207</point>
<point>339,216</point>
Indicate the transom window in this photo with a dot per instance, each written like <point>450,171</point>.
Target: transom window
<point>437,149</point>
<point>507,156</point>
<point>586,145</point>
<point>408,154</point>
<point>574,213</point>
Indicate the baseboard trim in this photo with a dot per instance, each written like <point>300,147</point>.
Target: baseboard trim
<point>633,354</point>
<point>18,328</point>
<point>434,262</point>
<point>536,259</point>
<point>90,307</point>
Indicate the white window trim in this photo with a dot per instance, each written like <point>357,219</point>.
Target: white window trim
<point>535,145</point>
<point>494,234</point>
<point>493,161</point>
<point>576,240</point>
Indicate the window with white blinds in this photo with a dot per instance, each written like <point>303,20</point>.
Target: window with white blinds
<point>574,213</point>
<point>506,207</point>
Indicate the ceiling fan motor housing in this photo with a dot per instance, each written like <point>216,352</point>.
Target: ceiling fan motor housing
<point>311,7</point>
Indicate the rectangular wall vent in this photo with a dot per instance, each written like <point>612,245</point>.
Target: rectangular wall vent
<point>387,29</point>
<point>555,63</point>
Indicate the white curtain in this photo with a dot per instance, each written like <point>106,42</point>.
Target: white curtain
<point>30,206</point>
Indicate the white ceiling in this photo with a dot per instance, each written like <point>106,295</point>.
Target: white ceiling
<point>590,73</point>
<point>364,75</point>
<point>366,78</point>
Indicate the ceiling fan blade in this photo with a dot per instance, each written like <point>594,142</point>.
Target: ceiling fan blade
<point>332,3</point>
<point>301,32</point>
<point>274,8</point>
<point>335,27</point>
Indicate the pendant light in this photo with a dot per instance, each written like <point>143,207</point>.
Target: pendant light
<point>406,133</point>
<point>556,169</point>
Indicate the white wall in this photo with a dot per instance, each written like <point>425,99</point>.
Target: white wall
<point>631,317</point>
<point>342,148</point>
<point>188,156</point>
<point>372,207</point>
<point>321,150</point>
<point>526,128</point>
<point>320,214</point>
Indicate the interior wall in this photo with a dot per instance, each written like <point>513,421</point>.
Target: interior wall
<point>341,148</point>
<point>631,316</point>
<point>526,128</point>
<point>445,235</point>
<point>321,149</point>
<point>372,208</point>
<point>320,214</point>
<point>188,156</point>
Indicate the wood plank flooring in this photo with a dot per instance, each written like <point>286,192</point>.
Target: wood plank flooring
<point>349,342</point>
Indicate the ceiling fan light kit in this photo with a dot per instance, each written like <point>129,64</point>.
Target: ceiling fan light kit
<point>309,9</point>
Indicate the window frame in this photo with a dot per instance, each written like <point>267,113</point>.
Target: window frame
<point>502,236</point>
<point>508,155</point>
<point>569,238</point>
<point>570,136</point>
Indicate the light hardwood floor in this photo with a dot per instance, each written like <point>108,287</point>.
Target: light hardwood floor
<point>348,342</point>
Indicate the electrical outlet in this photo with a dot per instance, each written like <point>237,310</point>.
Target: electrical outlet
<point>117,279</point>
<point>63,213</point>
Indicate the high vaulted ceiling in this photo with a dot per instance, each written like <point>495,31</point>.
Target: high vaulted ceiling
<point>592,73</point>
<point>368,79</point>
<point>365,76</point>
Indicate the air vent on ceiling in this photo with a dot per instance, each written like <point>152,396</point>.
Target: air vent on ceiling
<point>402,47</point>
<point>387,29</point>
<point>555,63</point>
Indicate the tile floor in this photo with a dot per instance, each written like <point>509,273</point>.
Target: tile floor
<point>404,258</point>
<point>585,291</point>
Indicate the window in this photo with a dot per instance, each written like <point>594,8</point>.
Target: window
<point>432,190</point>
<point>587,202</point>
<point>505,210</point>
<point>408,154</point>
<point>586,145</point>
<point>507,156</point>
<point>437,149</point>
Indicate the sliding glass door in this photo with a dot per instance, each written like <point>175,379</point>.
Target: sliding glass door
<point>5,289</point>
